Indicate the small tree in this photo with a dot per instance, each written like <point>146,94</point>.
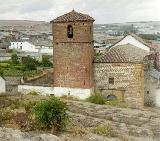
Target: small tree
<point>14,58</point>
<point>45,61</point>
<point>30,63</point>
<point>51,114</point>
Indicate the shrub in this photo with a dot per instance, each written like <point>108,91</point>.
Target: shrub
<point>105,130</point>
<point>112,102</point>
<point>5,114</point>
<point>45,61</point>
<point>28,106</point>
<point>14,58</point>
<point>30,63</point>
<point>96,98</point>
<point>4,65</point>
<point>34,93</point>
<point>51,114</point>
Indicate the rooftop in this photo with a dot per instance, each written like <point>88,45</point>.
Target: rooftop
<point>73,16</point>
<point>123,54</point>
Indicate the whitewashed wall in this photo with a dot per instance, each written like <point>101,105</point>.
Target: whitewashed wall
<point>57,91</point>
<point>157,98</point>
<point>23,46</point>
<point>2,85</point>
<point>131,40</point>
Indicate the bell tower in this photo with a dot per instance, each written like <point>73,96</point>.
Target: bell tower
<point>73,51</point>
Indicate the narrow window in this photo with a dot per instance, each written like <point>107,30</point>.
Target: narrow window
<point>111,80</point>
<point>84,82</point>
<point>70,31</point>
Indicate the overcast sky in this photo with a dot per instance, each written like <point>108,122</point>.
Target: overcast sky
<point>103,11</point>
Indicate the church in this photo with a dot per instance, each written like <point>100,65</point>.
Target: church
<point>76,72</point>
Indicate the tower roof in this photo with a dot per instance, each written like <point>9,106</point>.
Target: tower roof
<point>73,16</point>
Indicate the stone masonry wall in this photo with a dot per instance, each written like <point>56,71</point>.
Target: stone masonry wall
<point>127,77</point>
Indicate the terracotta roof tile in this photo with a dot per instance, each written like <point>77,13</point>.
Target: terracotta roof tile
<point>123,54</point>
<point>73,16</point>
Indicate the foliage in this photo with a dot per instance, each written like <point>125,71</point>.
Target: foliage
<point>4,65</point>
<point>5,114</point>
<point>1,72</point>
<point>105,130</point>
<point>51,114</point>
<point>149,36</point>
<point>14,58</point>
<point>98,54</point>
<point>96,98</point>
<point>112,102</point>
<point>34,93</point>
<point>30,63</point>
<point>29,106</point>
<point>70,97</point>
<point>45,61</point>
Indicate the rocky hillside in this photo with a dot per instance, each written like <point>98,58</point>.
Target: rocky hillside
<point>122,123</point>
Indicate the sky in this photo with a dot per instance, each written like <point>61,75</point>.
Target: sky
<point>103,11</point>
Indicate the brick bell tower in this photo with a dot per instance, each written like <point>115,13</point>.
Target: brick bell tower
<point>73,51</point>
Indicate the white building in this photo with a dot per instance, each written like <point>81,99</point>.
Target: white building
<point>23,46</point>
<point>32,47</point>
<point>134,40</point>
<point>2,85</point>
<point>99,47</point>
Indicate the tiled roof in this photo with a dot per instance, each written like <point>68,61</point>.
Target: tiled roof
<point>123,54</point>
<point>73,16</point>
<point>111,57</point>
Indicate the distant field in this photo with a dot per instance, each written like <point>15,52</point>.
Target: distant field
<point>19,23</point>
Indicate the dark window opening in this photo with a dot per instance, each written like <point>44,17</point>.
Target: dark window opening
<point>147,92</point>
<point>70,31</point>
<point>84,82</point>
<point>111,97</point>
<point>111,80</point>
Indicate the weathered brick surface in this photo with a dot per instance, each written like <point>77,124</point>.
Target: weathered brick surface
<point>73,57</point>
<point>82,32</point>
<point>128,77</point>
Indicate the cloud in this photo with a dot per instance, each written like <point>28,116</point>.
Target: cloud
<point>103,11</point>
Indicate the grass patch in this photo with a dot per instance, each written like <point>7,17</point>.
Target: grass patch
<point>104,130</point>
<point>96,98</point>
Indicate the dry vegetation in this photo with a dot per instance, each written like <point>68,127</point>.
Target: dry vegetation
<point>86,121</point>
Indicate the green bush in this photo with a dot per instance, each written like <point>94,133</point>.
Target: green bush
<point>14,58</point>
<point>96,98</point>
<point>20,67</point>
<point>4,65</point>
<point>34,93</point>
<point>51,114</point>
